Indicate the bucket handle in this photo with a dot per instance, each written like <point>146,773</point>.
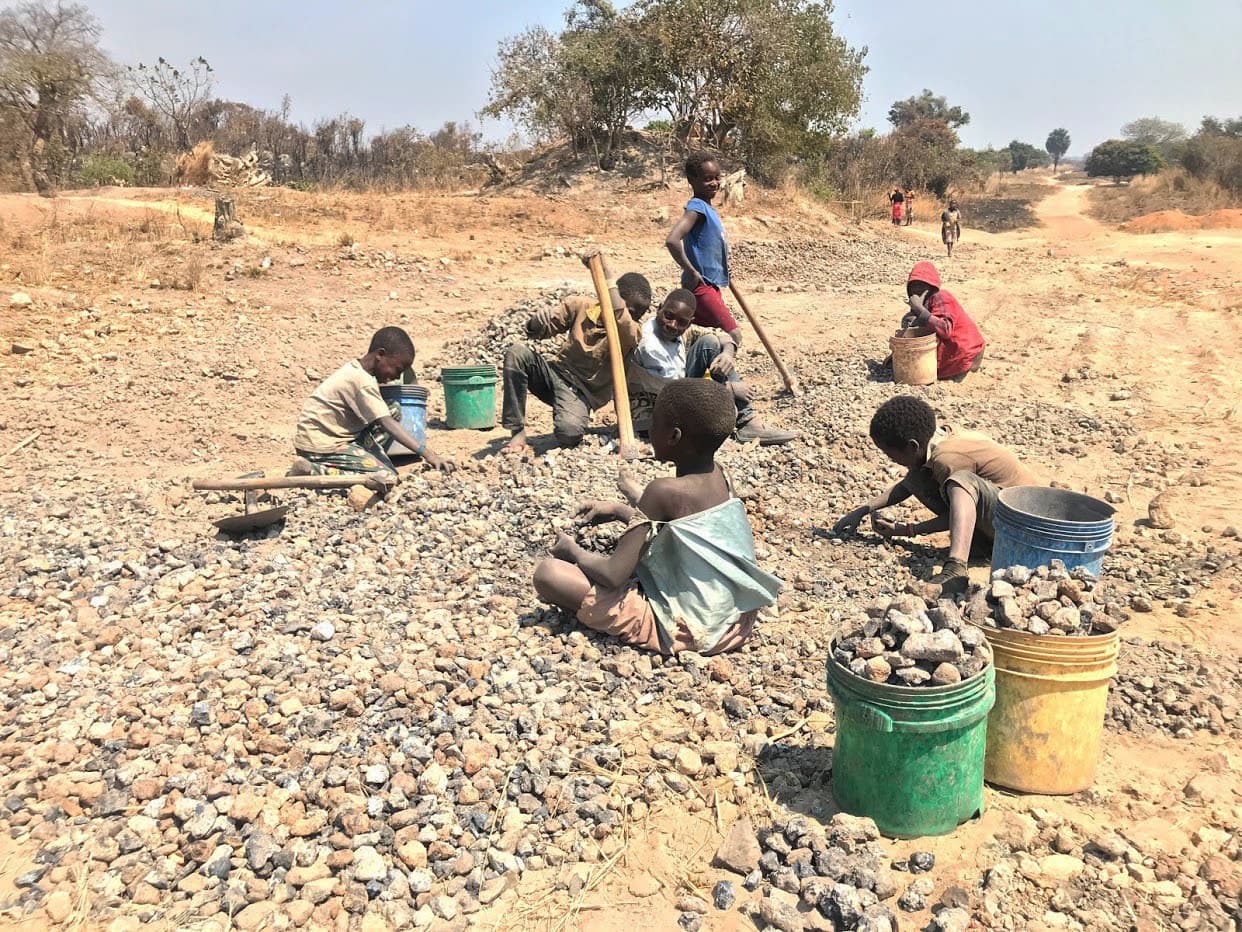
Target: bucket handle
<point>475,380</point>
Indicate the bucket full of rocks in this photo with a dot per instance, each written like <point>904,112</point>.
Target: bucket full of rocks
<point>1054,639</point>
<point>912,685</point>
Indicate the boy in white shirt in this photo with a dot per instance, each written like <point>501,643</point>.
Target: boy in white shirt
<point>663,355</point>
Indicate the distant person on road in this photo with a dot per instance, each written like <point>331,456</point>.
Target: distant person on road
<point>897,199</point>
<point>683,575</point>
<point>579,379</point>
<point>909,206</point>
<point>698,245</point>
<point>951,225</point>
<point>959,346</point>
<point>347,427</point>
<point>957,475</point>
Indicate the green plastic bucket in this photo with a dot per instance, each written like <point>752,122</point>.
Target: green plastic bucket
<point>910,757</point>
<point>470,397</point>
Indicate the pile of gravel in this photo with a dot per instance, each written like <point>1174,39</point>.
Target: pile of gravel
<point>904,642</point>
<point>1049,600</point>
<point>1165,686</point>
<point>487,347</point>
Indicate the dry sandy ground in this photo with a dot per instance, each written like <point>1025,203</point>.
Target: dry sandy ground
<point>208,382</point>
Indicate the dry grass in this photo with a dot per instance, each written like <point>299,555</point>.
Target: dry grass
<point>1173,189</point>
<point>47,249</point>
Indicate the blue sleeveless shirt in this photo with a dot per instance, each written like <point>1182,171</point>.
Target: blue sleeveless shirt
<point>706,247</point>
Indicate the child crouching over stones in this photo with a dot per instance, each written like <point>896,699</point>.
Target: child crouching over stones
<point>683,576</point>
<point>579,379</point>
<point>957,475</point>
<point>346,426</point>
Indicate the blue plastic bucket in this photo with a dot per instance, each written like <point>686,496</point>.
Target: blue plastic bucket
<point>413,402</point>
<point>1034,525</point>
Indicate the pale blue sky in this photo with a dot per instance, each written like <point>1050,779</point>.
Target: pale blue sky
<point>1019,69</point>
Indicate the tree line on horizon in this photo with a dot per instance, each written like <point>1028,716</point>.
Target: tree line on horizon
<point>767,84</point>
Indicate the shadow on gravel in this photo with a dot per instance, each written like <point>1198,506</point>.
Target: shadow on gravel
<point>799,778</point>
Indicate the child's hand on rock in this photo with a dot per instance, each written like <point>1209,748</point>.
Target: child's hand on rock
<point>596,511</point>
<point>850,522</point>
<point>883,526</point>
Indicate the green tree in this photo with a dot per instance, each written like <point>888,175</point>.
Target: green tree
<point>768,81</point>
<point>1215,153</point>
<point>927,106</point>
<point>584,84</point>
<point>1057,145</point>
<point>529,86</point>
<point>925,155</point>
<point>1164,135</point>
<point>1023,155</point>
<point>50,64</point>
<point>1123,158</point>
<point>608,53</point>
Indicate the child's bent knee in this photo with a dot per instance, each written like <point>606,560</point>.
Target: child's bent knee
<point>517,355</point>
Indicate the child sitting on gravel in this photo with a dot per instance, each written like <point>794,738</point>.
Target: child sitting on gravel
<point>665,353</point>
<point>579,379</point>
<point>683,576</point>
<point>955,474</point>
<point>347,427</point>
<point>959,344</point>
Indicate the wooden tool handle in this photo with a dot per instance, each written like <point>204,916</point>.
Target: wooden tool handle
<point>288,482</point>
<point>620,390</point>
<point>790,383</point>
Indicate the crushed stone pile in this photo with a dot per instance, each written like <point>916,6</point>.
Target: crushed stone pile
<point>904,642</point>
<point>1168,687</point>
<point>487,347</point>
<point>1049,600</point>
<point>372,715</point>
<point>807,264</point>
<point>838,877</point>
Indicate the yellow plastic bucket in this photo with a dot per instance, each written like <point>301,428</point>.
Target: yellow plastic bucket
<point>914,357</point>
<point>1045,731</point>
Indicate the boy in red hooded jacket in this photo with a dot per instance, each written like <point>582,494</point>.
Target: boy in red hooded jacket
<point>960,344</point>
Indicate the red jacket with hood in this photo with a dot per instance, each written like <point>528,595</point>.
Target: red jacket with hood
<point>959,340</point>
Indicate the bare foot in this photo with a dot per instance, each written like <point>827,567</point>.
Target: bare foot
<point>516,446</point>
<point>301,467</point>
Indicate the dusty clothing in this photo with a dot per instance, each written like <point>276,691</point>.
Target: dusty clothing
<point>343,405</point>
<point>663,358</point>
<point>527,371</point>
<point>697,585</point>
<point>627,614</point>
<point>973,461</point>
<point>706,246</point>
<point>958,338</point>
<point>950,226</point>
<point>583,360</point>
<point>710,309</point>
<point>365,453</point>
<point>645,384</point>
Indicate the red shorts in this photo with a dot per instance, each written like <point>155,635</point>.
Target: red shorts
<point>711,310</point>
